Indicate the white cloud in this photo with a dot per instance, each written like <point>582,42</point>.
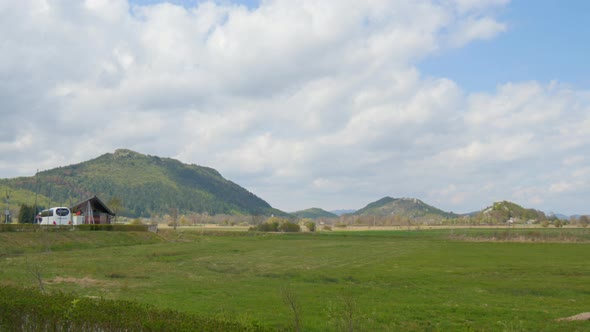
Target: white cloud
<point>561,187</point>
<point>464,6</point>
<point>305,103</point>
<point>475,29</point>
<point>573,160</point>
<point>518,105</point>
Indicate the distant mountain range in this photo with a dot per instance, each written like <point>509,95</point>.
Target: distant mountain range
<point>145,184</point>
<point>314,213</point>
<point>414,208</point>
<point>343,211</point>
<point>562,216</point>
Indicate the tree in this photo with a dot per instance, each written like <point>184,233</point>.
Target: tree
<point>584,220</point>
<point>26,215</point>
<point>116,205</point>
<point>310,226</point>
<point>183,220</point>
<point>174,217</point>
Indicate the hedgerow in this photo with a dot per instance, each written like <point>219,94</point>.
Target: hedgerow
<point>84,227</point>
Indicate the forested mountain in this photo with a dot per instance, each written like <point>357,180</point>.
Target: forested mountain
<point>314,213</point>
<point>144,184</point>
<point>403,207</point>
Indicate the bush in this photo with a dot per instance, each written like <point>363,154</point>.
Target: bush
<point>289,227</point>
<point>310,226</point>
<point>274,224</point>
<point>136,221</point>
<point>115,227</point>
<point>65,228</point>
<point>266,227</point>
<point>19,228</point>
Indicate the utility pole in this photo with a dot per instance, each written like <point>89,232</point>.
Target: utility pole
<point>36,191</point>
<point>7,211</point>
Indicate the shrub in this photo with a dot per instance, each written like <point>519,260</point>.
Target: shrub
<point>289,227</point>
<point>266,227</point>
<point>136,221</point>
<point>115,227</point>
<point>275,224</point>
<point>64,228</point>
<point>310,226</point>
<point>19,228</point>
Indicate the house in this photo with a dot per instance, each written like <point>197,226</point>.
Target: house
<point>92,211</point>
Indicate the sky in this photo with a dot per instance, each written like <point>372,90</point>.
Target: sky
<point>331,104</point>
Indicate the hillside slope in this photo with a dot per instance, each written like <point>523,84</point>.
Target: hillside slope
<point>145,184</point>
<point>314,213</point>
<point>505,210</point>
<point>405,207</point>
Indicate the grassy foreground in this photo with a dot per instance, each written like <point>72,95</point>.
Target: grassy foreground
<point>427,280</point>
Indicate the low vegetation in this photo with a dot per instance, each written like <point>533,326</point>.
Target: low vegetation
<point>274,224</point>
<point>435,280</point>
<point>565,235</point>
<point>32,310</point>
<point>132,227</point>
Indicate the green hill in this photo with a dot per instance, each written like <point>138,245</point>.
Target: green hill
<point>505,210</point>
<point>405,207</point>
<point>145,184</point>
<point>314,213</point>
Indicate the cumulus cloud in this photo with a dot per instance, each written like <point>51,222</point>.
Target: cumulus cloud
<point>305,103</point>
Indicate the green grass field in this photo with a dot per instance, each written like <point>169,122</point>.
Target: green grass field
<point>426,280</point>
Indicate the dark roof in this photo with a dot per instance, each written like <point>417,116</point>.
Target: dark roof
<point>96,204</point>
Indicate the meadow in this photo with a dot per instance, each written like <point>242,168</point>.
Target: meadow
<point>373,280</point>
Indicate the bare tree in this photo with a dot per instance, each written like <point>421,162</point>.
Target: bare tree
<point>116,205</point>
<point>290,299</point>
<point>584,220</point>
<point>174,216</point>
<point>36,272</point>
<point>344,314</point>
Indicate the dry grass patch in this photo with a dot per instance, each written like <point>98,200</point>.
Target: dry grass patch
<point>522,235</point>
<point>82,282</point>
<point>579,317</point>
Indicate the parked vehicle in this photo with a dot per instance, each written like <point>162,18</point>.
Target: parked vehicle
<point>55,216</point>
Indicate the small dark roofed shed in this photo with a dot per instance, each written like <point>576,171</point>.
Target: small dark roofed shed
<point>94,211</point>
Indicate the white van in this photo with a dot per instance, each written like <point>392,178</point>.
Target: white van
<point>56,216</point>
